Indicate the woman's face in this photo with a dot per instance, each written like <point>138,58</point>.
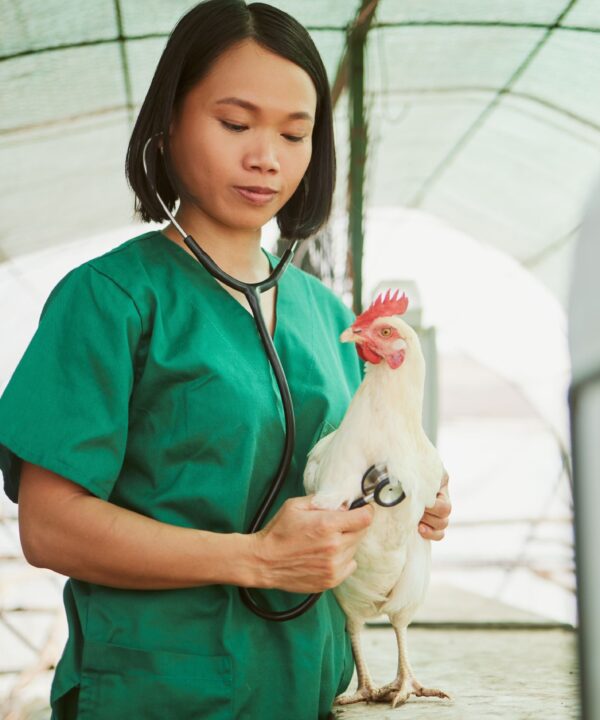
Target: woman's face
<point>247,123</point>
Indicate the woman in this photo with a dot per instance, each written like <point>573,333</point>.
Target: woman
<point>142,426</point>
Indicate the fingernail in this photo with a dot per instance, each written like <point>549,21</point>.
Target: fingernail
<point>422,528</point>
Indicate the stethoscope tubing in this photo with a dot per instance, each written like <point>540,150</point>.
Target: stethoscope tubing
<point>252,293</point>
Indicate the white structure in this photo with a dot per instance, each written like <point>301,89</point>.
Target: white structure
<point>584,339</point>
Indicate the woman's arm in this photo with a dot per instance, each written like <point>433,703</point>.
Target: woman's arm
<point>65,528</point>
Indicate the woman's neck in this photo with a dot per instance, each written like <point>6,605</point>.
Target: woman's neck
<point>236,251</point>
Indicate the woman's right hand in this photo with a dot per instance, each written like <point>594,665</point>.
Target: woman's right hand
<point>305,549</point>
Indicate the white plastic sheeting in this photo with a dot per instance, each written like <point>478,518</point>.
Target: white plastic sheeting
<point>486,115</point>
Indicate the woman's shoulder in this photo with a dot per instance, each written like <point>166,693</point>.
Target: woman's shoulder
<point>127,264</point>
<point>121,272</point>
<point>326,300</point>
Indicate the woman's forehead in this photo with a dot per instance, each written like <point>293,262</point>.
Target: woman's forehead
<point>258,80</point>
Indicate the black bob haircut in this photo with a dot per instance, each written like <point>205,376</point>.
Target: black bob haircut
<point>199,38</point>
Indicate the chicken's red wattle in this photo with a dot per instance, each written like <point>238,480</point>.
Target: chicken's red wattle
<point>367,354</point>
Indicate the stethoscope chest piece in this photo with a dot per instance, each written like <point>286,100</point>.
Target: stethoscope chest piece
<point>378,485</point>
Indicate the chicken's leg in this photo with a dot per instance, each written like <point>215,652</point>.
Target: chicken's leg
<point>366,690</point>
<point>405,684</point>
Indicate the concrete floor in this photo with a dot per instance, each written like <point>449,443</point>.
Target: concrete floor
<point>513,674</point>
<point>494,660</point>
<point>491,674</point>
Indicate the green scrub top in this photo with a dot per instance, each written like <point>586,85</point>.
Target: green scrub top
<point>146,382</point>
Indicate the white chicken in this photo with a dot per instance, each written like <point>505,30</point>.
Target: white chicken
<point>383,425</point>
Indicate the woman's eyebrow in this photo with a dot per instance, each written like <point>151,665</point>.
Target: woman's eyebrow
<point>247,105</point>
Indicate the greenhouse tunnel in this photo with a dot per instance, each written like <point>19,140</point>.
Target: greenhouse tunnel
<point>468,145</point>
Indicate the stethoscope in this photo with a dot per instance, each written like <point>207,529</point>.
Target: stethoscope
<point>379,486</point>
<point>376,484</point>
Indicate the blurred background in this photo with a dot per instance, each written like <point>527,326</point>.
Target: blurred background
<point>468,143</point>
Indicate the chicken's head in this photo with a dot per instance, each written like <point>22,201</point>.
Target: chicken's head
<point>379,333</point>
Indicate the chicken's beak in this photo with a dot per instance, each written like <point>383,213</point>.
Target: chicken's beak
<point>350,336</point>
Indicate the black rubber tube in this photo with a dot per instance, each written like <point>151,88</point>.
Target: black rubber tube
<point>252,292</point>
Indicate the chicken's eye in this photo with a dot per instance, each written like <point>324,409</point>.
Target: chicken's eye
<point>385,332</point>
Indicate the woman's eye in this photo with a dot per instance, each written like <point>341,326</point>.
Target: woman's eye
<point>233,126</point>
<point>240,128</point>
<point>294,138</point>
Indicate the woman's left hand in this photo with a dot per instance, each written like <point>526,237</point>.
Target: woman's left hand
<point>435,519</point>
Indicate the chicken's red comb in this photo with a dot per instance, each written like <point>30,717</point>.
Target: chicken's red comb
<point>384,305</point>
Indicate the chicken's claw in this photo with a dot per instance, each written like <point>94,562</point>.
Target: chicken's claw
<point>365,694</point>
<point>399,694</point>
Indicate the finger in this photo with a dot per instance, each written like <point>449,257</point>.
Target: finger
<point>443,497</point>
<point>434,521</point>
<point>350,540</point>
<point>346,556</point>
<point>350,568</point>
<point>429,533</point>
<point>443,491</point>
<point>354,520</point>
<point>302,502</point>
<point>440,508</point>
<point>444,507</point>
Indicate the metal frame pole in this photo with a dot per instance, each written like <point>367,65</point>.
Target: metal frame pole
<point>358,154</point>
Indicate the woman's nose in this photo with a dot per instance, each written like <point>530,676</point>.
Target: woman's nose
<point>262,154</point>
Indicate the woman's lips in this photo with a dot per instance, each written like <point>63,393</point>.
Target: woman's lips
<point>256,197</point>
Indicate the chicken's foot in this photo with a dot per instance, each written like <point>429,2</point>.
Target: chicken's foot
<point>405,684</point>
<point>399,691</point>
<point>365,692</point>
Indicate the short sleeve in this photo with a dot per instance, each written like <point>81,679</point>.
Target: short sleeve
<point>66,406</point>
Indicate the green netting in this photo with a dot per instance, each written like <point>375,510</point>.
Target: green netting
<point>485,114</point>
<point>35,25</point>
<point>501,141</point>
<point>510,11</point>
